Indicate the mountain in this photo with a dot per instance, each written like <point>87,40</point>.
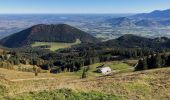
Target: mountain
<point>156,18</point>
<point>129,41</point>
<point>147,23</point>
<point>165,22</point>
<point>128,22</point>
<point>47,33</point>
<point>157,14</point>
<point>121,22</point>
<point>133,41</point>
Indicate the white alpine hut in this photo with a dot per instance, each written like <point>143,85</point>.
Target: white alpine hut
<point>104,70</point>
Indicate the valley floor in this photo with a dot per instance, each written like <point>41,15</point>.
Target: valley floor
<point>144,85</point>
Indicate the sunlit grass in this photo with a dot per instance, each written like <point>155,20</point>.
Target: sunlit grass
<point>56,45</point>
<point>144,85</point>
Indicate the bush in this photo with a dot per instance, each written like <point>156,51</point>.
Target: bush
<point>2,90</point>
<point>84,75</point>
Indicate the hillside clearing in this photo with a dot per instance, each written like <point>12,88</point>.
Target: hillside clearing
<point>116,66</point>
<point>56,45</point>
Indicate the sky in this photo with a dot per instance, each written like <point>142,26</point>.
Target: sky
<point>82,6</point>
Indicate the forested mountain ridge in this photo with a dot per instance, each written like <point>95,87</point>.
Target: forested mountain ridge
<point>133,41</point>
<point>47,33</point>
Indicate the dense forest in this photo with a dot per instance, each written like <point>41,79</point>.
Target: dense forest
<point>90,51</point>
<point>73,59</point>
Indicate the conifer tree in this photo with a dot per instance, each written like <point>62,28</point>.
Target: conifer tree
<point>157,61</point>
<point>142,65</point>
<point>84,73</point>
<point>168,61</point>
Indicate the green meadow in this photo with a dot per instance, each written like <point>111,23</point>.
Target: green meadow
<point>56,45</point>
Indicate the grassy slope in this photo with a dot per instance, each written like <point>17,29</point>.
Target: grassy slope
<point>56,45</point>
<point>146,85</point>
<point>116,66</point>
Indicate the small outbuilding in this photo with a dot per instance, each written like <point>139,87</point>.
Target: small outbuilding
<point>104,70</point>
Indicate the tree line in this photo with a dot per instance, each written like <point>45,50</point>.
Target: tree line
<point>153,61</point>
<point>73,59</point>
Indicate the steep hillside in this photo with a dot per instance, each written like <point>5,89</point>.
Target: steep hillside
<point>133,41</point>
<point>47,33</point>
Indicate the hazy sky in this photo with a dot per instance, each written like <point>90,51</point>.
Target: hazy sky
<point>82,6</point>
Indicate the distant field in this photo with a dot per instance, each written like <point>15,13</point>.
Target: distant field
<point>56,45</point>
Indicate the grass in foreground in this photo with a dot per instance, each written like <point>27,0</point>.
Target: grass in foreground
<point>56,45</point>
<point>64,94</point>
<point>142,85</point>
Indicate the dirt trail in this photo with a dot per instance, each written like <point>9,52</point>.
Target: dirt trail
<point>28,79</point>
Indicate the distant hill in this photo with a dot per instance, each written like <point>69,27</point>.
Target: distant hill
<point>47,33</point>
<point>121,22</point>
<point>133,41</point>
<point>129,22</point>
<point>157,14</point>
<point>165,22</point>
<point>147,23</point>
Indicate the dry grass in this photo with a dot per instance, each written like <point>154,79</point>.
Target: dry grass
<point>144,85</point>
<point>13,74</point>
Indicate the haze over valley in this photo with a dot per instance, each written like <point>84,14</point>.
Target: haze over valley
<point>98,25</point>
